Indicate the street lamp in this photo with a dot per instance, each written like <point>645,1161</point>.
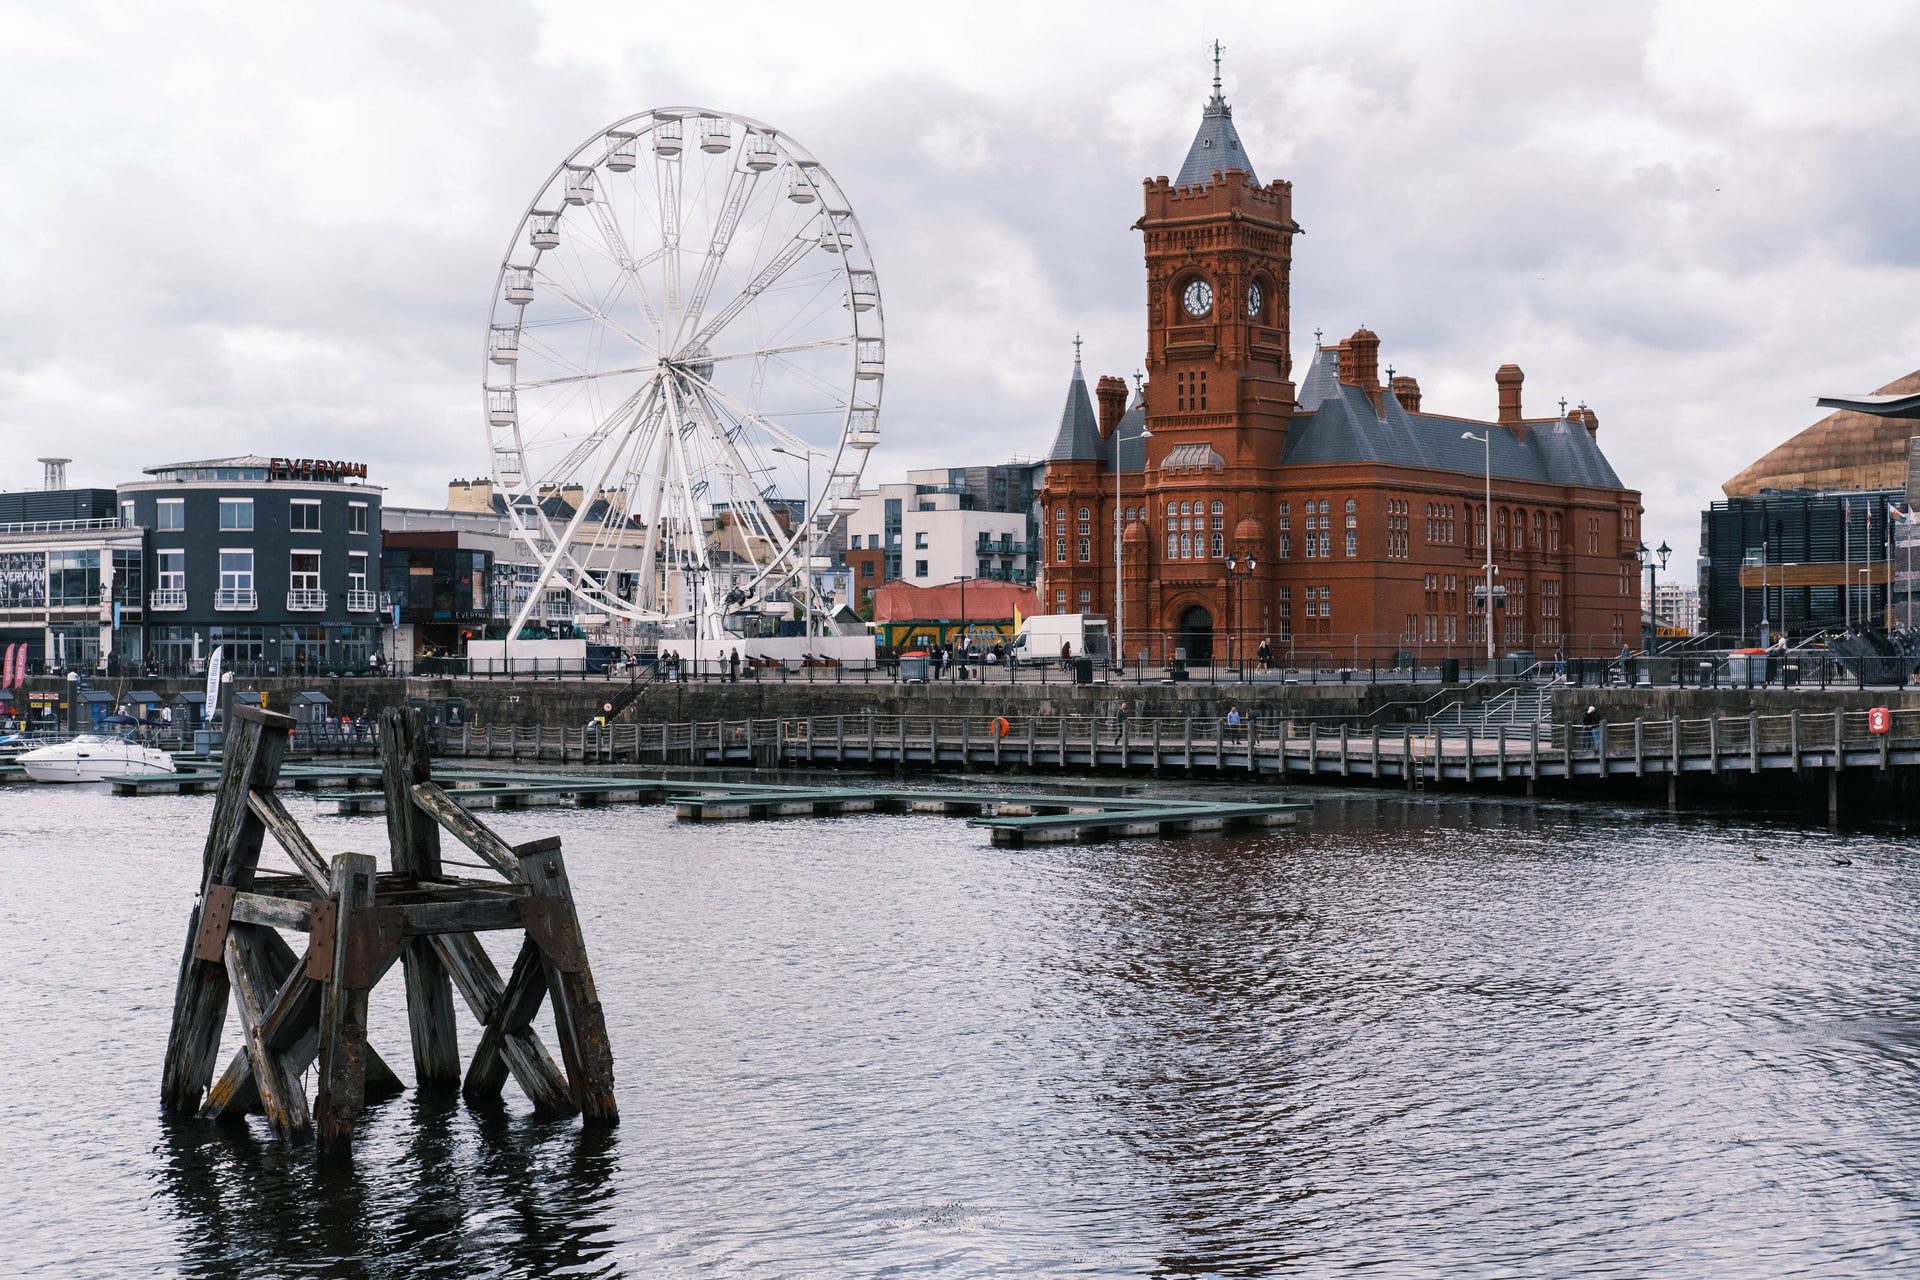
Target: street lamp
<point>696,570</point>
<point>963,580</point>
<point>1120,544</point>
<point>1238,575</point>
<point>1487,440</point>
<point>806,513</point>
<point>1652,561</point>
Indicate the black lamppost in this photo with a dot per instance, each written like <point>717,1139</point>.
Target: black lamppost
<point>1239,573</point>
<point>963,580</point>
<point>1652,561</point>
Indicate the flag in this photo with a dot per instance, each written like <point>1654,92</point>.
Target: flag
<point>1898,516</point>
<point>6,667</point>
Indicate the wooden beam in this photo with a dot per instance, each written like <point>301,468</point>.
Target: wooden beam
<point>469,830</point>
<point>266,806</point>
<point>415,843</point>
<point>578,1019</point>
<point>513,1011</point>
<point>251,759</point>
<point>274,912</point>
<point>532,1066</point>
<point>281,1094</point>
<point>343,1013</point>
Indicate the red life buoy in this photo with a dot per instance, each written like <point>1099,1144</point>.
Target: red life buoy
<point>1000,726</point>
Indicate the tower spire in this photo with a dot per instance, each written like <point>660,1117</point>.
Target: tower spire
<point>1076,352</point>
<point>1216,71</point>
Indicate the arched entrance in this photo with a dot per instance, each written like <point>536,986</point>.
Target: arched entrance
<point>1196,634</point>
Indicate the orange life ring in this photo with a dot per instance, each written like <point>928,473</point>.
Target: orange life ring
<point>1001,727</point>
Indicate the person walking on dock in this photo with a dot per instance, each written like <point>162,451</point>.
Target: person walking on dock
<point>1120,718</point>
<point>733,667</point>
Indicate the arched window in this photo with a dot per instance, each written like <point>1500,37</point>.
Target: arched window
<point>1539,530</point>
<point>1173,508</point>
<point>1553,532</point>
<point>1352,506</point>
<point>1186,508</point>
<point>1500,528</point>
<point>1219,508</point>
<point>1085,514</point>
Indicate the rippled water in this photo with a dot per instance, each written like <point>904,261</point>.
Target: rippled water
<point>1420,1037</point>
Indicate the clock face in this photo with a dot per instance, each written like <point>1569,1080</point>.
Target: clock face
<point>1198,298</point>
<point>1253,300</point>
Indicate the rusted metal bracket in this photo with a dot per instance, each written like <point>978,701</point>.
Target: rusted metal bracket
<point>549,922</point>
<point>216,917</point>
<point>377,934</point>
<point>320,931</point>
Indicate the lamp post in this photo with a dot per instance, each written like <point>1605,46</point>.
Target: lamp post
<point>1652,561</point>
<point>806,513</point>
<point>1486,439</point>
<point>963,580</point>
<point>694,570</point>
<point>1238,575</point>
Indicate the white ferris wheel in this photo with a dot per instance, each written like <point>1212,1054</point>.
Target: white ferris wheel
<point>683,370</point>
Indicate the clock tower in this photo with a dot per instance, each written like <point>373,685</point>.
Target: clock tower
<point>1219,250</point>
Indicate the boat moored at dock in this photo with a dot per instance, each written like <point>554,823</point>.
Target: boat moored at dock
<point>94,758</point>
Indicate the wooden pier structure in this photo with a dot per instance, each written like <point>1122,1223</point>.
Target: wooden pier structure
<point>298,1010</point>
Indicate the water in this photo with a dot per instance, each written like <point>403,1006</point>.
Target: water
<point>1415,1037</point>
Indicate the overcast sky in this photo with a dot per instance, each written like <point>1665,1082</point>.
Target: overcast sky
<point>274,228</point>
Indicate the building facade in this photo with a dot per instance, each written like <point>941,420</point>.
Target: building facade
<point>1801,562</point>
<point>928,531</point>
<point>274,560</point>
<point>70,578</point>
<point>1335,518</point>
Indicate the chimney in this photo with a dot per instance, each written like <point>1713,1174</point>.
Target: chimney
<point>55,476</point>
<point>1346,363</point>
<point>1407,391</point>
<point>1587,418</point>
<point>1110,393</point>
<point>1508,378</point>
<point>470,495</point>
<point>1365,345</point>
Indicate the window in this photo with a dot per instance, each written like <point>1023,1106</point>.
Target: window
<point>236,579</point>
<point>1086,524</point>
<point>866,568</point>
<point>1593,535</point>
<point>1353,542</point>
<point>172,568</point>
<point>73,578</point>
<point>356,517</point>
<point>1626,587</point>
<point>919,568</point>
<point>920,540</point>
<point>126,514</point>
<point>236,514</point>
<point>306,515</point>
<point>1217,547</point>
<point>1286,545</point>
<point>1553,532</point>
<point>303,571</point>
<point>1086,601</point>
<point>357,572</point>
<point>1173,545</point>
<point>172,515</point>
<point>1286,613</point>
<point>1086,549</point>
<point>1059,602</point>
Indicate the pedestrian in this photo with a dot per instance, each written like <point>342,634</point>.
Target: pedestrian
<point>1559,663</point>
<point>733,667</point>
<point>1120,719</point>
<point>1626,666</point>
<point>1233,722</point>
<point>1066,654</point>
<point>1591,722</point>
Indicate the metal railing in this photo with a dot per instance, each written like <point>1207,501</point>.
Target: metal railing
<point>167,599</point>
<point>362,601</point>
<point>306,602</point>
<point>236,598</point>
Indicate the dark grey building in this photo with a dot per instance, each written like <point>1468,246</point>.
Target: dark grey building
<point>275,559</point>
<point>1794,559</point>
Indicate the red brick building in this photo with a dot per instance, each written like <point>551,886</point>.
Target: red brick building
<point>1337,518</point>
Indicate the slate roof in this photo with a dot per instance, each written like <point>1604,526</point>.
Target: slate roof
<point>1851,448</point>
<point>1216,147</point>
<point>1079,437</point>
<point>1337,424</point>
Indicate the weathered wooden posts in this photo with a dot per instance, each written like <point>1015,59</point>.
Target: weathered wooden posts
<point>296,1011</point>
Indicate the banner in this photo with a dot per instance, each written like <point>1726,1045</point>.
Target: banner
<point>6,667</point>
<point>213,683</point>
<point>23,579</point>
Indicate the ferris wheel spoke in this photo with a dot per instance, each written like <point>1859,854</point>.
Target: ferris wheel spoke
<point>591,376</point>
<point>667,176</point>
<point>722,440</point>
<point>824,344</point>
<point>766,424</point>
<point>795,250</point>
<point>628,264</point>
<point>595,313</point>
<point>740,185</point>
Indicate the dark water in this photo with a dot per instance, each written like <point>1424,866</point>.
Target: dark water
<point>1416,1038</point>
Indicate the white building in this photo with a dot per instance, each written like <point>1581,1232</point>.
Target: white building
<point>1676,605</point>
<point>929,536</point>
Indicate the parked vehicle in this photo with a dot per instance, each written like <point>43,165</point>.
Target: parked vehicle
<point>1040,638</point>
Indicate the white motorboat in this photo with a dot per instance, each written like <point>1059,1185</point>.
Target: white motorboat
<point>93,757</point>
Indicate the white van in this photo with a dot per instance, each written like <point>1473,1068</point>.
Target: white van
<point>1040,638</point>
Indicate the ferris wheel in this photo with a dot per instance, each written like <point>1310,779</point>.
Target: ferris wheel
<point>683,370</point>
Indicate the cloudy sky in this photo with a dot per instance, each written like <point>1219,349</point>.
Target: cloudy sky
<point>275,228</point>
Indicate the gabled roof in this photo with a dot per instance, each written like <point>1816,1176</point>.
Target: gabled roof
<point>1079,436</point>
<point>1341,426</point>
<point>1216,147</point>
